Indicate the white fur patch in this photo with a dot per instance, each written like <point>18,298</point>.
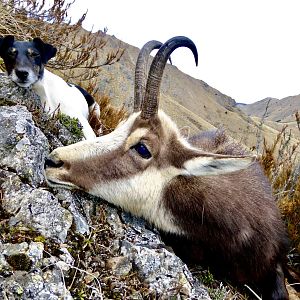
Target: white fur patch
<point>56,93</point>
<point>97,146</point>
<point>245,234</point>
<point>135,137</point>
<point>207,166</point>
<point>141,195</point>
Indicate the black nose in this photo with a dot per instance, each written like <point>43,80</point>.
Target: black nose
<point>52,163</point>
<point>23,75</point>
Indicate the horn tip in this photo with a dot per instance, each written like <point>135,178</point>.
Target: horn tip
<point>196,60</point>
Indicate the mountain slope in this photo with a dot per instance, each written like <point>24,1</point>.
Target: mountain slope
<point>191,102</point>
<point>278,110</point>
<point>276,113</point>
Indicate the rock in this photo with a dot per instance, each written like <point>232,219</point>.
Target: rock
<point>21,256</point>
<point>24,271</point>
<point>34,208</point>
<point>34,285</point>
<point>161,269</point>
<point>120,265</point>
<point>11,94</point>
<point>67,199</point>
<point>22,145</point>
<point>31,278</point>
<point>38,267</point>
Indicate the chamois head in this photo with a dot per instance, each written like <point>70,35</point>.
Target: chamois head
<point>132,166</point>
<point>219,206</point>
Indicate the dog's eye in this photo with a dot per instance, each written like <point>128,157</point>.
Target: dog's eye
<point>12,52</point>
<point>34,54</point>
<point>142,150</point>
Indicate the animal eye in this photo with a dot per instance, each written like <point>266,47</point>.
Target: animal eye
<point>12,52</point>
<point>34,54</point>
<point>142,150</point>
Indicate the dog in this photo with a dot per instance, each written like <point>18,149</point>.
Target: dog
<point>25,64</point>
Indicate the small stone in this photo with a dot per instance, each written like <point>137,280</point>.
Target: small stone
<point>120,265</point>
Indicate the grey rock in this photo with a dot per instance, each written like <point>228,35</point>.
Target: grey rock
<point>23,146</point>
<point>162,270</point>
<point>11,94</point>
<point>115,222</point>
<point>35,208</point>
<point>67,199</point>
<point>34,285</point>
<point>33,251</point>
<point>24,272</point>
<point>165,274</point>
<point>40,282</point>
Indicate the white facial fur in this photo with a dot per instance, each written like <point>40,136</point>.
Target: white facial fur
<point>141,195</point>
<point>97,146</point>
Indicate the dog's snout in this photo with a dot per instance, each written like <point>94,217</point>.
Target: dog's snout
<point>23,75</point>
<point>49,162</point>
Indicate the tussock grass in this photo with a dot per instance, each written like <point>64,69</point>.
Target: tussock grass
<point>110,116</point>
<point>281,163</point>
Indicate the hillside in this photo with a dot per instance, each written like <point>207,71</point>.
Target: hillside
<point>277,112</point>
<point>191,102</point>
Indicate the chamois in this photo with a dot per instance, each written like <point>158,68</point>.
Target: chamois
<point>211,206</point>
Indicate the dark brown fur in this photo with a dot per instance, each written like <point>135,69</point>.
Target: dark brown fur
<point>231,222</point>
<point>217,141</point>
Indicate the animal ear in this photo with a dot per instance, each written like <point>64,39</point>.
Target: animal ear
<point>215,164</point>
<point>5,43</point>
<point>47,51</point>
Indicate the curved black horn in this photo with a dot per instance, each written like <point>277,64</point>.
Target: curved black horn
<point>150,103</point>
<point>141,72</point>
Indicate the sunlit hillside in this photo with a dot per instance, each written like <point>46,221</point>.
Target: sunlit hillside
<point>190,101</point>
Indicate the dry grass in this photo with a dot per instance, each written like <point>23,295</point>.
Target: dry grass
<point>281,163</point>
<point>110,116</point>
<point>78,50</point>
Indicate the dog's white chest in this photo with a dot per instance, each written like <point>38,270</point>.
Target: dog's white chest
<point>55,94</point>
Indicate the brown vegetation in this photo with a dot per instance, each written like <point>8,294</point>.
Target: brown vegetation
<point>110,116</point>
<point>281,164</point>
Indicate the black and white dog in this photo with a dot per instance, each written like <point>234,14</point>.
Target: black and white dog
<point>24,62</point>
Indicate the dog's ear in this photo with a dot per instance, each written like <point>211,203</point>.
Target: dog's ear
<point>47,51</point>
<point>5,43</point>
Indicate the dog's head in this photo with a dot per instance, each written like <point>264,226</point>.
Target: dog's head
<point>24,61</point>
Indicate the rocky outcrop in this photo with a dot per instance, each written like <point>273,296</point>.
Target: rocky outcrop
<point>58,244</point>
